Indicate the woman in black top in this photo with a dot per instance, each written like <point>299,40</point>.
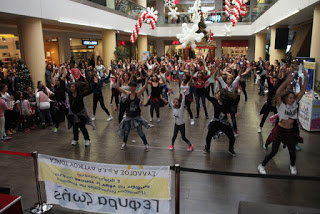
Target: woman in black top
<point>220,122</point>
<point>78,116</point>
<point>155,100</point>
<point>133,117</point>
<point>61,107</point>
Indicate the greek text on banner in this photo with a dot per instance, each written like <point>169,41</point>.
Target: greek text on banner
<point>148,182</point>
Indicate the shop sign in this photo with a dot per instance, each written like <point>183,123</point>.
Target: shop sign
<point>90,46</point>
<point>309,65</point>
<point>3,46</point>
<point>88,42</point>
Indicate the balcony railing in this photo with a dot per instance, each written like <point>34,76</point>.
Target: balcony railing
<point>124,6</point>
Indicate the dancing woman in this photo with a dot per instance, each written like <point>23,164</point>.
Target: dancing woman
<point>133,117</point>
<point>155,100</point>
<point>201,91</point>
<point>78,116</point>
<point>220,122</point>
<point>287,106</point>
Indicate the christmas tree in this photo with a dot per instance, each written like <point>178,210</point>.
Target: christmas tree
<point>202,27</point>
<point>24,76</point>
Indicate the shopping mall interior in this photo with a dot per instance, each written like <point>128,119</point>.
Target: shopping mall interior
<point>42,32</point>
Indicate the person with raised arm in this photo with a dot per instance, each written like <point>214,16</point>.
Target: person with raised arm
<point>287,107</point>
<point>133,117</point>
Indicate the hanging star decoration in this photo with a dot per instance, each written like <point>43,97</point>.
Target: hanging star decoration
<point>173,13</point>
<point>153,13</point>
<point>189,36</point>
<point>169,3</point>
<point>227,30</point>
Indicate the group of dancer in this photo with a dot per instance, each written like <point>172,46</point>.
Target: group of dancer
<point>220,82</point>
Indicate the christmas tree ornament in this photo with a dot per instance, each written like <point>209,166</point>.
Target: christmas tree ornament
<point>149,16</point>
<point>210,36</point>
<point>173,13</point>
<point>189,36</point>
<point>169,3</point>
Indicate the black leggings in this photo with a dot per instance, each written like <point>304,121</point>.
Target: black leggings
<point>275,146</point>
<point>243,86</point>
<point>115,94</point>
<point>189,110</point>
<point>60,114</point>
<point>99,98</point>
<point>123,106</point>
<point>182,129</point>
<point>216,126</point>
<point>155,105</point>
<point>211,86</point>
<point>82,127</point>
<point>234,122</point>
<point>265,116</point>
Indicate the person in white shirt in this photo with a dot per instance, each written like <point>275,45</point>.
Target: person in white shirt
<point>100,69</point>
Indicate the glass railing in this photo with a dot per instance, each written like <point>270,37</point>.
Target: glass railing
<point>124,6</point>
<point>215,16</point>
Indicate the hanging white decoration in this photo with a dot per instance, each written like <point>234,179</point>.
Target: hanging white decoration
<point>169,3</point>
<point>189,36</point>
<point>227,30</point>
<point>173,13</point>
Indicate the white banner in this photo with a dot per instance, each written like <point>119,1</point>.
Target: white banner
<point>78,200</point>
<point>96,187</point>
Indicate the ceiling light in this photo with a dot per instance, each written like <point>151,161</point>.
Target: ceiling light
<point>290,14</point>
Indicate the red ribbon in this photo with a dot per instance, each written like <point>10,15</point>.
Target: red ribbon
<point>16,153</point>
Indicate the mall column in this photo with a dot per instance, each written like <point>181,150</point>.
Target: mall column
<point>108,46</point>
<point>260,46</point>
<point>32,47</point>
<point>142,45</point>
<point>315,41</point>
<point>276,54</point>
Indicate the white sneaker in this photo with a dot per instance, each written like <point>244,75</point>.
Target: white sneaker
<point>87,144</point>
<point>74,142</point>
<point>151,119</point>
<point>147,148</point>
<point>259,130</point>
<point>93,118</point>
<point>158,119</point>
<point>261,170</point>
<point>123,146</point>
<point>293,170</point>
<point>192,121</point>
<point>109,118</point>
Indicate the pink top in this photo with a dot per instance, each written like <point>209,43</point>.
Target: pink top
<point>75,73</point>
<point>42,97</point>
<point>3,107</point>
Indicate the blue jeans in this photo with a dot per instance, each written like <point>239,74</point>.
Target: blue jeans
<point>203,100</point>
<point>262,80</point>
<point>127,128</point>
<point>45,114</point>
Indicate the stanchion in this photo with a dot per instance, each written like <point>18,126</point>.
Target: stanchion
<point>41,207</point>
<point>177,178</point>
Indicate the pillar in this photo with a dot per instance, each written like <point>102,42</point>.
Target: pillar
<point>260,46</point>
<point>275,54</point>
<point>161,11</point>
<point>160,47</point>
<point>31,39</point>
<point>109,46</point>
<point>315,40</point>
<point>64,48</point>
<point>142,45</point>
<point>143,3</point>
<point>218,50</point>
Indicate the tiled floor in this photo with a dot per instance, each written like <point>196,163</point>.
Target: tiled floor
<point>200,193</point>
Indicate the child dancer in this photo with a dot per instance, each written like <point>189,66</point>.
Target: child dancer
<point>178,107</point>
<point>186,82</point>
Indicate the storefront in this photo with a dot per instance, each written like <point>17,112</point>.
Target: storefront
<point>51,50</point>
<point>234,48</point>
<point>9,48</point>
<point>84,49</point>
